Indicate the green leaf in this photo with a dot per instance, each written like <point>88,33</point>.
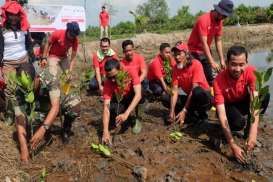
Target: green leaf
<point>25,80</point>
<point>104,150</point>
<point>259,80</point>
<point>94,146</point>
<point>29,97</point>
<point>264,90</point>
<point>268,74</point>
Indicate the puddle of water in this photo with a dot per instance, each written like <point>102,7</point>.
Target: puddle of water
<point>259,59</point>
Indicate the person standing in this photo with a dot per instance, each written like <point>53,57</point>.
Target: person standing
<point>208,27</point>
<point>104,19</point>
<point>15,53</point>
<point>57,47</point>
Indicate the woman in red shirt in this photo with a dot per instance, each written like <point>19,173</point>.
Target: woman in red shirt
<point>188,75</point>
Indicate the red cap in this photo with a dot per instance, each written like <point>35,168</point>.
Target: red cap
<point>14,7</point>
<point>181,47</point>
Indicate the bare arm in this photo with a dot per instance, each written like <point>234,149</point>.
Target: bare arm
<point>237,151</point>
<point>106,116</point>
<point>164,85</point>
<point>73,60</point>
<point>144,72</point>
<point>208,53</point>
<point>98,76</point>
<point>50,118</point>
<point>136,99</point>
<point>174,98</point>
<point>219,47</point>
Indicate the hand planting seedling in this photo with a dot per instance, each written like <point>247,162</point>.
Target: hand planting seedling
<point>122,80</point>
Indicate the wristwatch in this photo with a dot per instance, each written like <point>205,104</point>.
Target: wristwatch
<point>45,126</point>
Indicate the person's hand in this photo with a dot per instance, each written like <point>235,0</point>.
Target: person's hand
<point>37,137</point>
<point>106,137</point>
<point>171,118</point>
<point>43,63</point>
<point>251,143</point>
<point>181,116</point>
<point>101,89</point>
<point>215,66</point>
<point>223,64</point>
<point>238,153</point>
<point>121,118</point>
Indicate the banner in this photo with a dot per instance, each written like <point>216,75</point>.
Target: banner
<point>47,18</point>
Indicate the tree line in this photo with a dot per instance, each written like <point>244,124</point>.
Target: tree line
<point>153,16</point>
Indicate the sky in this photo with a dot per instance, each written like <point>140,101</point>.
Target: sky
<point>122,7</point>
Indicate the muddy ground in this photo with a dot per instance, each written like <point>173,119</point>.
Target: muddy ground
<point>190,159</point>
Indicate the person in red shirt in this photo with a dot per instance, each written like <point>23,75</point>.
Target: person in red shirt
<point>234,89</point>
<point>158,83</point>
<point>56,49</point>
<point>99,58</point>
<point>131,97</point>
<point>134,62</point>
<point>189,76</point>
<point>208,27</point>
<point>104,22</point>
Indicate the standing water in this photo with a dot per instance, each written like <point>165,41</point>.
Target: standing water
<point>260,60</point>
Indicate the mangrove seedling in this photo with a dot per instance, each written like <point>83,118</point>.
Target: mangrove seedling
<point>176,136</point>
<point>43,175</point>
<point>101,149</point>
<point>261,78</point>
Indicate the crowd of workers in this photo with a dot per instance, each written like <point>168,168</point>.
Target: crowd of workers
<point>185,78</point>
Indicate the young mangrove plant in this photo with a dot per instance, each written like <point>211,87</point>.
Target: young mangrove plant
<point>261,78</point>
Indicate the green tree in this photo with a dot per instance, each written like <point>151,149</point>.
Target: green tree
<point>156,10</point>
<point>184,19</point>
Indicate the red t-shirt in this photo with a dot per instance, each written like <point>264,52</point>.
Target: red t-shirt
<point>186,77</point>
<point>60,44</point>
<point>204,26</point>
<point>100,64</point>
<point>135,65</point>
<point>111,87</point>
<point>104,18</point>
<point>226,89</point>
<point>156,68</point>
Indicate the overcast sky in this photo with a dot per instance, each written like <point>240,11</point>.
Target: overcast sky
<point>123,6</point>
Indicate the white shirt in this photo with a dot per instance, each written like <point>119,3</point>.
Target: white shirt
<point>14,48</point>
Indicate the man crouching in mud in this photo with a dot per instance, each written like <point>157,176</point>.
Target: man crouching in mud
<point>123,96</point>
<point>234,89</point>
<point>49,101</point>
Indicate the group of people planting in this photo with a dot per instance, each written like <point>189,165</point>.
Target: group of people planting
<point>185,78</point>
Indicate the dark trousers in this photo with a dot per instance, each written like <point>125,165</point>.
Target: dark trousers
<point>200,103</point>
<point>118,108</point>
<point>206,66</point>
<point>93,84</point>
<point>238,113</point>
<point>156,87</point>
